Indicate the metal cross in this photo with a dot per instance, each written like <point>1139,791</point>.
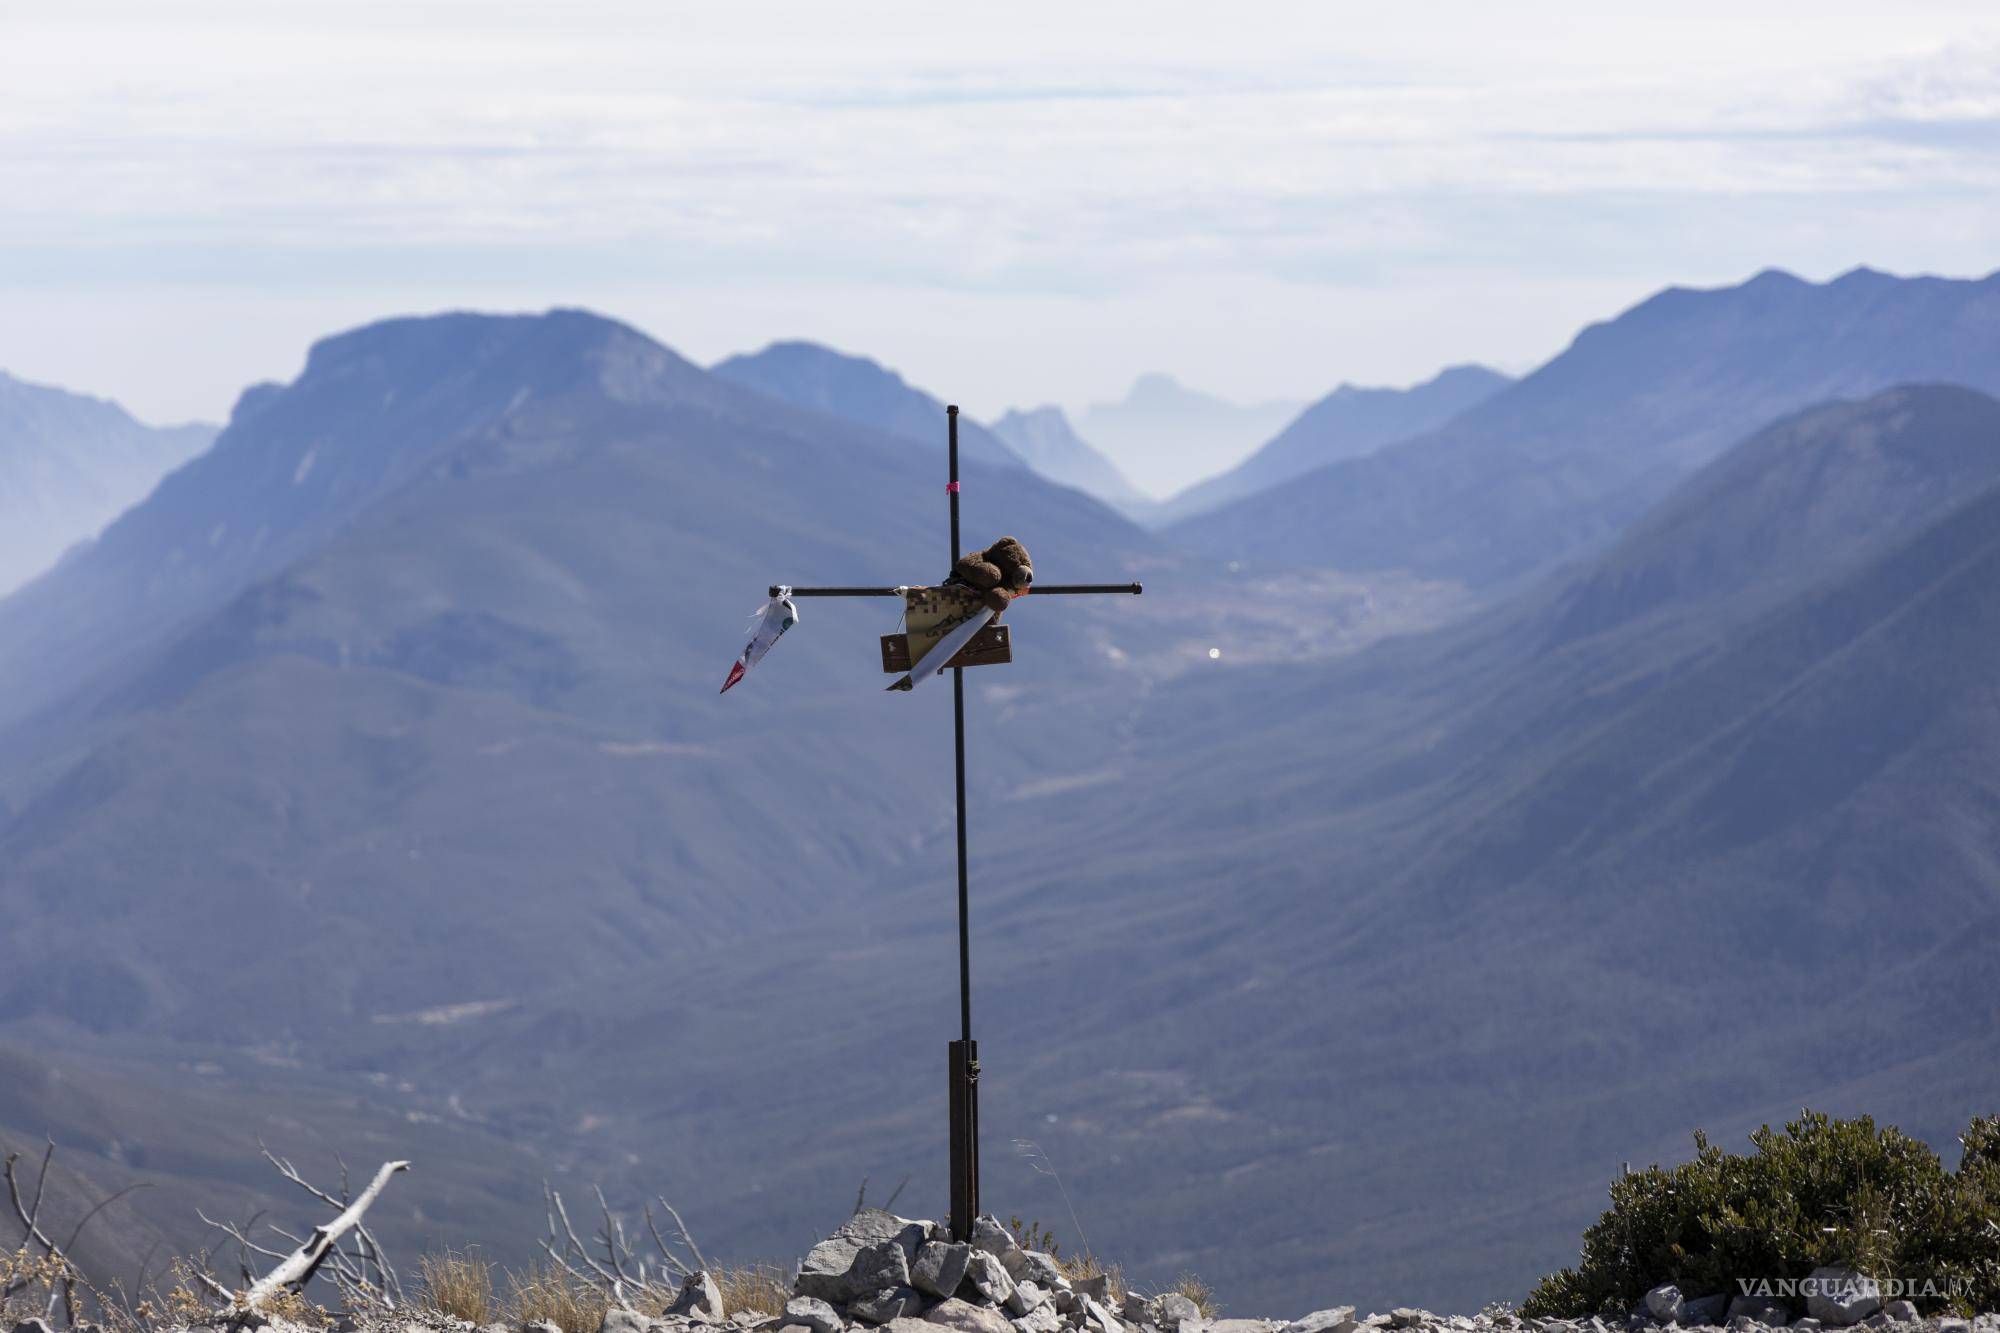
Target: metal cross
<point>963,1053</point>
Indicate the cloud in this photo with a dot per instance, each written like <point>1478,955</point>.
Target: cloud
<point>751,156</point>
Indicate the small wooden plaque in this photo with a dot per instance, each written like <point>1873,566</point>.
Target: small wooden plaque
<point>989,647</point>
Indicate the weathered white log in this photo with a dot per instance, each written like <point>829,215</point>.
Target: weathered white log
<point>299,1266</point>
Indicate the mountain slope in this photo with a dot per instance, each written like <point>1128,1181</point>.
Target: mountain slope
<point>502,651</point>
<point>1045,440</point>
<point>69,465</point>
<point>1332,981</point>
<point>1350,422</point>
<point>1166,436</point>
<point>1538,903</point>
<point>1825,487</point>
<point>861,391</point>
<point>372,410</point>
<point>1557,465</point>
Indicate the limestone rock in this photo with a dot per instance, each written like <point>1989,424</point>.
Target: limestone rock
<point>965,1317</point>
<point>815,1314</point>
<point>876,1267</point>
<point>1767,1310</point>
<point>1103,1318</point>
<point>890,1303</point>
<point>1026,1296</point>
<point>1319,1321</point>
<point>990,1236</point>
<point>1665,1303</point>
<point>1096,1287</point>
<point>939,1267</point>
<point>1405,1317</point>
<point>1807,1324</point>
<point>1175,1313</point>
<point>1036,1267</point>
<point>699,1298</point>
<point>986,1274</point>
<point>1042,1319</point>
<point>539,1326</point>
<point>1702,1310</point>
<point>825,1272</point>
<point>1903,1312</point>
<point>615,1321</point>
<point>1841,1296</point>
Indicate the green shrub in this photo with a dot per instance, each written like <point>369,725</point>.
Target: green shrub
<point>1824,1191</point>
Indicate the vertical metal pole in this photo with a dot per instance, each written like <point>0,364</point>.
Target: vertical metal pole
<point>958,740</point>
<point>964,1054</point>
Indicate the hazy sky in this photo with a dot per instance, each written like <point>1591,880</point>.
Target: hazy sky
<point>1010,203</point>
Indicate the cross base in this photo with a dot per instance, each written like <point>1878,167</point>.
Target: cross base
<point>964,1138</point>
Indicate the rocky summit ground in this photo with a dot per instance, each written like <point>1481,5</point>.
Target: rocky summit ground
<point>880,1273</point>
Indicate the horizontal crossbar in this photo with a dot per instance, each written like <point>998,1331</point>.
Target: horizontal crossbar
<point>1039,590</point>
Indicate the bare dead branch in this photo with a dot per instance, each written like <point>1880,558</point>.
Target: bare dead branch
<point>244,1244</point>
<point>686,1239</point>
<point>99,1207</point>
<point>673,1261</point>
<point>298,1268</point>
<point>607,1238</point>
<point>41,1185</point>
<point>30,1216</point>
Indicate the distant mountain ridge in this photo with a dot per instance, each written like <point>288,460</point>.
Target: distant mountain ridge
<point>859,391</point>
<point>1044,438</point>
<point>1350,422</point>
<point>1165,436</point>
<point>394,395</point>
<point>69,464</point>
<point>1555,466</point>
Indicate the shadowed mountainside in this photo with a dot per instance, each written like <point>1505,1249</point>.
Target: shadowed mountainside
<point>1554,467</point>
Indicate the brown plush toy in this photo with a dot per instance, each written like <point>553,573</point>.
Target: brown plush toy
<point>1002,571</point>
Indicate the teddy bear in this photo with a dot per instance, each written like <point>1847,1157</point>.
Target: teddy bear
<point>1002,572</point>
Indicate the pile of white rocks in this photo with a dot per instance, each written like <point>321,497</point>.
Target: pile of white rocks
<point>904,1276</point>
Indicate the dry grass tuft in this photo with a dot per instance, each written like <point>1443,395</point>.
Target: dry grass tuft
<point>759,1288</point>
<point>1199,1292</point>
<point>1085,1265</point>
<point>549,1295</point>
<point>459,1285</point>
